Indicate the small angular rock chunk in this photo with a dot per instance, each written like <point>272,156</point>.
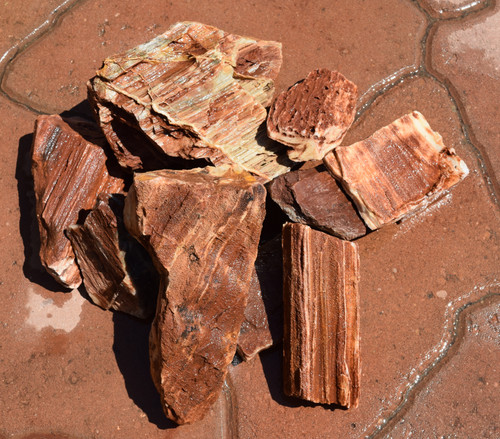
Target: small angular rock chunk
<point>68,173</point>
<point>202,230</point>
<point>263,324</point>
<point>313,197</point>
<point>321,311</point>
<point>117,271</point>
<point>194,92</point>
<point>397,171</point>
<point>313,116</point>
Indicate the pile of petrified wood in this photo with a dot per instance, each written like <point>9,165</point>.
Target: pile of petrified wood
<point>160,211</point>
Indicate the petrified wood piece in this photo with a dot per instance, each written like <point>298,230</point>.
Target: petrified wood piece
<point>117,271</point>
<point>313,115</point>
<point>321,311</point>
<point>194,92</point>
<point>397,171</point>
<point>68,173</point>
<point>202,230</point>
<point>313,197</point>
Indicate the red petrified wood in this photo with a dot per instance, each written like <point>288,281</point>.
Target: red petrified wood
<point>321,311</point>
<point>202,229</point>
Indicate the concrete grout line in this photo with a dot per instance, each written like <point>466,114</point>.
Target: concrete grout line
<point>24,43</point>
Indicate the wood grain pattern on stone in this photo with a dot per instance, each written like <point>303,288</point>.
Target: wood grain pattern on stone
<point>321,312</point>
<point>397,171</point>
<point>313,116</point>
<point>194,92</point>
<point>263,322</point>
<point>313,197</point>
<point>117,271</point>
<point>202,229</point>
<point>68,173</point>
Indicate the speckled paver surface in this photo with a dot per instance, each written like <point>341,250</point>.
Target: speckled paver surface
<point>430,287</point>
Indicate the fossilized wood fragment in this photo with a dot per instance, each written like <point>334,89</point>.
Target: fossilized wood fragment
<point>263,323</point>
<point>313,197</point>
<point>68,173</point>
<point>321,312</point>
<point>117,271</point>
<point>194,92</point>
<point>202,230</point>
<point>313,115</point>
<point>397,171</point>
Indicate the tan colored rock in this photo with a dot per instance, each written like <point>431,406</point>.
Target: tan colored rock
<point>313,116</point>
<point>117,271</point>
<point>202,230</point>
<point>194,92</point>
<point>397,171</point>
<point>321,312</point>
<point>69,173</point>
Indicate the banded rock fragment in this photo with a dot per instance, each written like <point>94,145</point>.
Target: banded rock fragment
<point>313,197</point>
<point>202,230</point>
<point>117,271</point>
<point>321,312</point>
<point>68,173</point>
<point>397,171</point>
<point>194,92</point>
<point>313,116</point>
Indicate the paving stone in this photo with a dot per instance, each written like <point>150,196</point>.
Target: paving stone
<point>453,247</point>
<point>468,55</point>
<point>365,47</point>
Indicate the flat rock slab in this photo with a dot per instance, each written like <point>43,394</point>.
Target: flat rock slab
<point>313,116</point>
<point>202,229</point>
<point>117,271</point>
<point>397,171</point>
<point>313,197</point>
<point>195,92</point>
<point>69,173</point>
<point>321,312</point>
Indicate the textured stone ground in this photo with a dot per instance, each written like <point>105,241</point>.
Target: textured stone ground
<point>430,287</point>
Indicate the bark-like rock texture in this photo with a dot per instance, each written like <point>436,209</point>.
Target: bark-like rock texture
<point>313,116</point>
<point>397,171</point>
<point>68,173</point>
<point>202,229</point>
<point>195,92</point>
<point>321,312</point>
<point>263,324</point>
<point>117,271</point>
<point>313,197</point>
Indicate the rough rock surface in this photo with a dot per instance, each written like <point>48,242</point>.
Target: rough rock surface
<point>69,173</point>
<point>397,171</point>
<point>313,197</point>
<point>117,271</point>
<point>194,92</point>
<point>313,115</point>
<point>202,230</point>
<point>321,304</point>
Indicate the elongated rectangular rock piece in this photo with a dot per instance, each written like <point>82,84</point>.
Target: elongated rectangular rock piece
<point>313,116</point>
<point>117,271</point>
<point>68,173</point>
<point>313,197</point>
<point>194,92</point>
<point>321,312</point>
<point>202,230</point>
<point>397,171</point>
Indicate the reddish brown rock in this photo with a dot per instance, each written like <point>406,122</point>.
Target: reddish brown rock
<point>321,311</point>
<point>397,171</point>
<point>202,229</point>
<point>117,271</point>
<point>194,92</point>
<point>313,197</point>
<point>69,173</point>
<point>313,115</point>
